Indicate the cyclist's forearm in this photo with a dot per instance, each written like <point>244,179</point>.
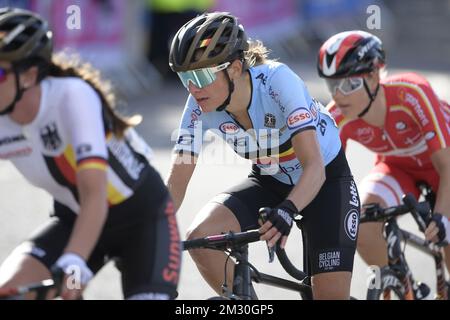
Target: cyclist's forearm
<point>441,162</point>
<point>308,186</point>
<point>91,217</point>
<point>183,166</point>
<point>443,200</point>
<point>177,191</point>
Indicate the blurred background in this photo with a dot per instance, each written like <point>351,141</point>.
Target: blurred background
<point>129,40</point>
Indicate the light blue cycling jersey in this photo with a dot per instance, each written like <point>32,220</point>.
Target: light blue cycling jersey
<point>280,107</point>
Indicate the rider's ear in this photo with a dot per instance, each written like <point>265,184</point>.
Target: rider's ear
<point>29,77</point>
<point>375,74</point>
<point>373,77</point>
<point>235,68</point>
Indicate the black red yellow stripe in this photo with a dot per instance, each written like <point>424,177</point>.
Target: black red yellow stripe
<point>92,163</point>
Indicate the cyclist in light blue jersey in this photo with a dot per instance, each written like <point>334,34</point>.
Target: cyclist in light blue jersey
<point>263,110</point>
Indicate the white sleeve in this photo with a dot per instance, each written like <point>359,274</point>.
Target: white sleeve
<point>83,117</point>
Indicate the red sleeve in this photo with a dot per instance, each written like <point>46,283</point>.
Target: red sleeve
<point>340,121</point>
<point>430,113</point>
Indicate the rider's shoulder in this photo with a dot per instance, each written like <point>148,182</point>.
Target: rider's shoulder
<point>274,75</point>
<point>333,109</point>
<point>406,79</point>
<point>69,86</point>
<point>337,114</point>
<point>270,69</point>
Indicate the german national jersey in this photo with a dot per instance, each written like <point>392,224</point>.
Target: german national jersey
<point>417,123</point>
<point>280,107</point>
<point>68,134</point>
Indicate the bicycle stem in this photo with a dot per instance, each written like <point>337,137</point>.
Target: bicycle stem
<point>242,274</point>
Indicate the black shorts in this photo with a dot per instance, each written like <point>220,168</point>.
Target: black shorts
<point>329,223</point>
<point>140,234</point>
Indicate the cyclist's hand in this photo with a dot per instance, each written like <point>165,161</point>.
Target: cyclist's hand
<point>438,230</point>
<point>77,275</point>
<point>279,223</point>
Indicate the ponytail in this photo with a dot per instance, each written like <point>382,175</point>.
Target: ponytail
<point>256,55</point>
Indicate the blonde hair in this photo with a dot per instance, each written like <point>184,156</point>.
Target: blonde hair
<point>71,65</point>
<point>256,55</point>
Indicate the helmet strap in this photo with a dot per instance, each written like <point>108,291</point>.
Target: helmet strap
<point>372,97</point>
<point>19,93</point>
<point>230,91</point>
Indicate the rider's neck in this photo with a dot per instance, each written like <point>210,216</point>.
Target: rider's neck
<point>27,107</point>
<point>376,115</point>
<point>241,96</point>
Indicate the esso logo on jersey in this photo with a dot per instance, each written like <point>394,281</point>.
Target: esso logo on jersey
<point>299,118</point>
<point>229,128</point>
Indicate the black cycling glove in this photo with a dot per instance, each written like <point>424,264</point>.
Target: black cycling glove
<point>282,216</point>
<point>443,224</point>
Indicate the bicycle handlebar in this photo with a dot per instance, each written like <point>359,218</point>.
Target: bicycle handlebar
<point>40,288</point>
<point>421,211</point>
<point>236,239</point>
<point>222,241</point>
<point>288,266</point>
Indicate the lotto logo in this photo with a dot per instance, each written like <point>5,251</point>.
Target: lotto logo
<point>299,118</point>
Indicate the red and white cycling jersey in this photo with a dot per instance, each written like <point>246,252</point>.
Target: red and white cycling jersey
<point>417,124</point>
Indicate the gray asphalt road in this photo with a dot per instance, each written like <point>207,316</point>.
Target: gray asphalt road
<point>23,208</point>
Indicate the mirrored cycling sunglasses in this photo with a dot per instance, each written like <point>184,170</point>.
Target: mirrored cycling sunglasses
<point>345,85</point>
<point>4,74</point>
<point>201,77</point>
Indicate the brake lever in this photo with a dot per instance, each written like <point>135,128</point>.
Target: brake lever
<point>271,250</point>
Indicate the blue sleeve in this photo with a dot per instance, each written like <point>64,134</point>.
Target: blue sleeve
<point>189,137</point>
<point>299,110</point>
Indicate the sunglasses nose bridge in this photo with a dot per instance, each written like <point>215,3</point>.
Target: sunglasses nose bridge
<point>192,86</point>
<point>333,85</point>
<point>336,89</point>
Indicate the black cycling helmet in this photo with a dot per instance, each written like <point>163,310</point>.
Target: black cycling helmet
<point>24,35</point>
<point>221,38</point>
<point>25,41</point>
<point>218,33</point>
<point>350,53</point>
